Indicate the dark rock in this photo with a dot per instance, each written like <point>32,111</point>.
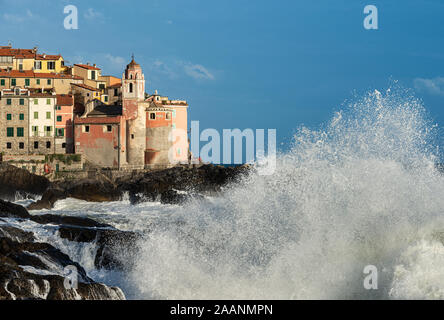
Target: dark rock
<point>48,199</point>
<point>114,246</point>
<point>16,282</point>
<point>67,220</point>
<point>16,234</point>
<point>11,210</point>
<point>14,179</point>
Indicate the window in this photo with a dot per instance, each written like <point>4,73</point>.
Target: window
<point>116,92</point>
<point>86,128</point>
<point>8,102</point>
<point>2,82</point>
<point>168,116</point>
<point>36,101</point>
<point>59,118</point>
<point>20,132</point>
<point>36,144</point>
<point>48,130</point>
<point>21,116</point>
<point>152,116</point>
<point>35,131</point>
<point>48,82</point>
<point>8,145</point>
<point>48,101</point>
<point>9,116</point>
<point>37,65</point>
<point>101,86</point>
<point>106,98</point>
<point>48,115</point>
<point>64,145</point>
<point>93,75</point>
<point>21,145</point>
<point>13,82</point>
<point>22,102</point>
<point>36,115</point>
<point>9,132</point>
<point>50,65</point>
<point>60,132</point>
<point>132,136</point>
<point>130,87</point>
<point>37,81</point>
<point>48,144</point>
<point>109,128</point>
<point>27,82</point>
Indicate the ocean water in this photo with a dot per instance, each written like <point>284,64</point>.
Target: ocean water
<point>362,190</point>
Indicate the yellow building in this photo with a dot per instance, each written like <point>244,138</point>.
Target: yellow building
<point>46,63</point>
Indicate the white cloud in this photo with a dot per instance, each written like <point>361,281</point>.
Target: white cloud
<point>18,18</point>
<point>198,71</point>
<point>115,59</point>
<point>164,69</point>
<point>433,86</point>
<point>92,14</point>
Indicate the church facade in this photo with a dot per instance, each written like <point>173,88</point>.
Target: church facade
<point>139,131</point>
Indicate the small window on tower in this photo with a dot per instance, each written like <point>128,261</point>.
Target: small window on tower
<point>130,87</point>
<point>132,136</point>
<point>152,116</point>
<point>109,128</point>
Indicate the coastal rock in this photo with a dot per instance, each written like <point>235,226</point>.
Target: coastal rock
<point>48,199</point>
<point>113,246</point>
<point>11,210</point>
<point>14,179</point>
<point>33,270</point>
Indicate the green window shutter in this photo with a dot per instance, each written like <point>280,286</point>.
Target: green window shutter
<point>49,81</point>
<point>22,102</point>
<point>21,116</point>
<point>20,132</point>
<point>59,118</point>
<point>63,132</point>
<point>9,116</point>
<point>38,81</point>
<point>27,82</point>
<point>8,102</point>
<point>48,115</point>
<point>13,82</point>
<point>2,82</point>
<point>9,132</point>
<point>36,115</point>
<point>36,101</point>
<point>48,101</point>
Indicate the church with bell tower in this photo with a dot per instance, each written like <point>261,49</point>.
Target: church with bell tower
<point>143,131</point>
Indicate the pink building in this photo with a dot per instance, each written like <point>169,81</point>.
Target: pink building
<point>138,133</point>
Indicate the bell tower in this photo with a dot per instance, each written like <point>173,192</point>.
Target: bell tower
<point>133,113</point>
<point>133,89</point>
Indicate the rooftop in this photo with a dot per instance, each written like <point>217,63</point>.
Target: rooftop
<point>86,66</point>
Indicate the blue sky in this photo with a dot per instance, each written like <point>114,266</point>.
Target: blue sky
<point>249,64</point>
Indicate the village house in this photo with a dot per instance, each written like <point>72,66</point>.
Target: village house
<point>64,134</point>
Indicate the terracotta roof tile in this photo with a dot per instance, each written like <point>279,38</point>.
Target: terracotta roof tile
<point>85,66</point>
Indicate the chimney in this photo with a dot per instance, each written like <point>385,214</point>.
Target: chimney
<point>87,63</point>
<point>94,65</point>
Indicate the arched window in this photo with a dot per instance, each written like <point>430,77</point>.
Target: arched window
<point>130,87</point>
